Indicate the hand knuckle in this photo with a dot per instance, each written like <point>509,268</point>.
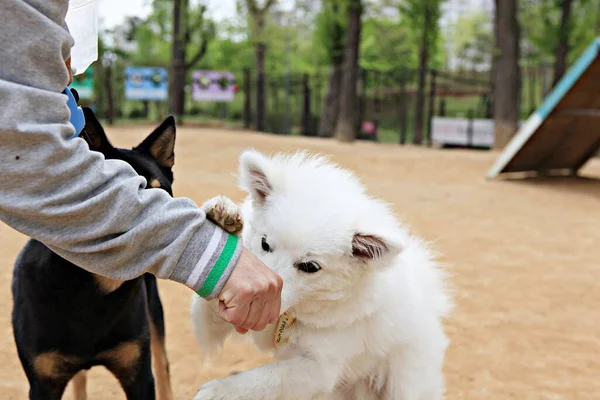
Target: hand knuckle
<point>278,283</point>
<point>266,285</point>
<point>246,289</point>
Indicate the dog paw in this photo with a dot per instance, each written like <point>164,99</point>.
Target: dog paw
<point>242,385</point>
<point>216,390</point>
<point>224,212</point>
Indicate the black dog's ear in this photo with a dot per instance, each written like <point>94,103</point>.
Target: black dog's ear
<point>93,129</point>
<point>75,94</point>
<point>160,144</point>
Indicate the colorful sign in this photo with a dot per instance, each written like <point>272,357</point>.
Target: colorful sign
<point>84,84</point>
<point>213,86</point>
<point>146,83</point>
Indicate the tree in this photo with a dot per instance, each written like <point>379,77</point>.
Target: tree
<point>562,49</point>
<point>424,16</point>
<point>185,24</point>
<point>473,40</point>
<point>331,32</point>
<point>346,127</point>
<point>557,31</point>
<point>506,72</point>
<point>258,16</point>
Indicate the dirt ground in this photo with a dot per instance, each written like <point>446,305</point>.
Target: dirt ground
<point>524,258</point>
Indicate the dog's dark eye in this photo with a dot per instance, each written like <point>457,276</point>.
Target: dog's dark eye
<point>309,267</point>
<point>265,245</point>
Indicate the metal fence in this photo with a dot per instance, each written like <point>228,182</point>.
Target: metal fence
<point>388,103</point>
<point>387,109</point>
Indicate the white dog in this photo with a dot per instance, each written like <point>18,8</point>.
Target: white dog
<point>362,300</point>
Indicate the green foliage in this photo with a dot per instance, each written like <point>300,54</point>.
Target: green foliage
<point>330,30</point>
<point>540,21</point>
<point>473,40</point>
<point>388,45</point>
<point>423,17</point>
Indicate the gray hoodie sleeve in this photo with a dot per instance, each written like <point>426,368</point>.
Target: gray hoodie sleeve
<point>91,211</point>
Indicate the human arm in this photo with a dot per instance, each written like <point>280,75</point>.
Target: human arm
<point>91,211</point>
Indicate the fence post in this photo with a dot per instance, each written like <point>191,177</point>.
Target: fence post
<point>470,128</point>
<point>432,93</point>
<point>317,96</point>
<point>247,99</point>
<point>442,110</point>
<point>109,94</point>
<point>306,119</point>
<point>403,114</point>
<point>362,100</point>
<point>376,104</point>
<point>260,101</point>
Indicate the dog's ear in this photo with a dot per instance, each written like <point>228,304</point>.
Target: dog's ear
<point>367,247</point>
<point>160,144</point>
<point>75,95</point>
<point>95,132</point>
<point>253,175</point>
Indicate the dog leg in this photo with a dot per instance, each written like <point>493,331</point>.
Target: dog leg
<point>80,385</point>
<point>47,390</point>
<point>416,372</point>
<point>160,362</point>
<point>225,213</point>
<point>48,374</point>
<point>161,365</point>
<point>298,378</point>
<point>131,363</point>
<point>210,330</point>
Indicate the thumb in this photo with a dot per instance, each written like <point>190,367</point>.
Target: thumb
<point>225,314</point>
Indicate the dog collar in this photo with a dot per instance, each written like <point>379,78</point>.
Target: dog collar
<point>286,320</point>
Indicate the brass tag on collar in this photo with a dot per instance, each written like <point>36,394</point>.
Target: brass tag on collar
<point>285,321</point>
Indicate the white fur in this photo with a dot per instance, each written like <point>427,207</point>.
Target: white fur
<point>367,327</point>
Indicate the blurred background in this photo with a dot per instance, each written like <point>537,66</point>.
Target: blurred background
<point>369,69</point>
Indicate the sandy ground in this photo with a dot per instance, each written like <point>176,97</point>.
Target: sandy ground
<point>524,258</point>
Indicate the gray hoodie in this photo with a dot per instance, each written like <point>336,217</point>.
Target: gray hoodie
<point>90,211</point>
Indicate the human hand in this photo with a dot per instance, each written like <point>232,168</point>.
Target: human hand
<point>251,297</point>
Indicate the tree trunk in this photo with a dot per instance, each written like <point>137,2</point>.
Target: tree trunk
<point>423,61</point>
<point>110,109</point>
<point>247,97</point>
<point>562,49</point>
<point>331,103</point>
<point>506,72</point>
<point>258,16</point>
<point>345,130</point>
<point>178,61</point>
<point>260,86</point>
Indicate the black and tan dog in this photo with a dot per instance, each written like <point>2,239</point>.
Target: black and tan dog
<point>67,320</point>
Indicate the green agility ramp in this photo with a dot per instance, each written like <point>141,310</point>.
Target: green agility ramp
<point>564,132</point>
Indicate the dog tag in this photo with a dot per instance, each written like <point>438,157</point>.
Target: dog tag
<point>285,321</point>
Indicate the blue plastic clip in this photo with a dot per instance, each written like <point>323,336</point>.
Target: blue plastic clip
<point>77,117</point>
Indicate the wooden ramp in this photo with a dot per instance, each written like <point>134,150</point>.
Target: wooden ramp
<point>564,132</point>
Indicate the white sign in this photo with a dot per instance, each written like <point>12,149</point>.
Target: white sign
<point>462,132</point>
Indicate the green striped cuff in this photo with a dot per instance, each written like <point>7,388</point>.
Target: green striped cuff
<point>222,268</point>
